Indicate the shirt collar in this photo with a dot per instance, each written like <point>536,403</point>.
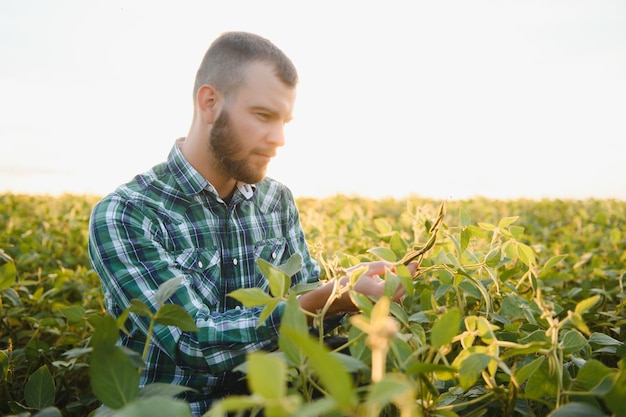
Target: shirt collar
<point>191,181</point>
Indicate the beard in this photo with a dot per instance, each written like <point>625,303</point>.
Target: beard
<point>224,144</point>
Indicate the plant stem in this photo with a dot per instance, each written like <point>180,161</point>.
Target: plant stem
<point>148,337</point>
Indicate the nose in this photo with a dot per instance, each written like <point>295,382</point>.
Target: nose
<point>276,135</point>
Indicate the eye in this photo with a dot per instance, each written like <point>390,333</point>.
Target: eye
<point>263,116</point>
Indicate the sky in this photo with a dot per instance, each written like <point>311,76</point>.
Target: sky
<point>444,99</point>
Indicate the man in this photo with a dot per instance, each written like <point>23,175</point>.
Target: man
<point>209,213</point>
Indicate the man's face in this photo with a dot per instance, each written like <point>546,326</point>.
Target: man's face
<point>249,129</point>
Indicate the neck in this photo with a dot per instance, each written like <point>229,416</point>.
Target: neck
<point>194,149</point>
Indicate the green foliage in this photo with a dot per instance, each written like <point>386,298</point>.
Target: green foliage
<point>114,371</point>
<point>39,390</point>
<point>47,294</point>
<point>517,309</point>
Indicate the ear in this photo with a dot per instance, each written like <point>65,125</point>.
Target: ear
<point>207,102</point>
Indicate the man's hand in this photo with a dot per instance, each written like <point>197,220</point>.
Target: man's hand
<point>369,283</point>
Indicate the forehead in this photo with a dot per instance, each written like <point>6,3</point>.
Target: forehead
<point>263,88</point>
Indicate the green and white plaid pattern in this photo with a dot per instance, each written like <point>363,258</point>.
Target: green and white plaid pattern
<point>169,222</point>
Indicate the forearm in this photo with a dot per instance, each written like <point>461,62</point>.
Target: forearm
<point>368,283</point>
<point>315,301</point>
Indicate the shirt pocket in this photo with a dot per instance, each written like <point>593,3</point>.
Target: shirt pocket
<point>271,250</point>
<point>202,267</point>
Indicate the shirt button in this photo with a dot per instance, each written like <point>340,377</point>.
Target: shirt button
<point>200,264</point>
<point>273,255</point>
<point>234,261</point>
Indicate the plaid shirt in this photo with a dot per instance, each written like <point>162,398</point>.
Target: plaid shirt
<point>169,222</point>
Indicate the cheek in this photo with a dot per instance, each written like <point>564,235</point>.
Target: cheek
<point>247,128</point>
<point>249,133</point>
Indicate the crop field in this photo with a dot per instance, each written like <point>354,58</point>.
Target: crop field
<point>517,309</point>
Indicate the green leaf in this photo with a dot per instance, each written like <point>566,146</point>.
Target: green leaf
<point>4,258</point>
<point>175,315</point>
<point>362,302</point>
<point>445,328</point>
<point>426,367</point>
<point>140,308</point>
<point>542,383</point>
<point>384,253</point>
<point>406,279</point>
<point>251,297</point>
<point>398,245</point>
<point>114,379</point>
<point>351,363</point>
<point>356,273</point>
<point>135,357</point>
<point>331,372</point>
<point>74,314</point>
<point>232,404</point>
<point>12,296</point>
<point>526,371</point>
<point>526,254</point>
<point>392,282</point>
<point>507,221</point>
<point>478,232</point>
<point>485,331</point>
<point>464,217</point>
<point>615,398</point>
<point>4,366</point>
<point>267,375</point>
<point>382,226</point>
<point>155,406</point>
<point>167,289</point>
<point>573,341</point>
<point>106,333</point>
<point>615,236</point>
<point>303,288</point>
<point>319,407</point>
<point>487,226</point>
<point>578,321</point>
<point>465,238</point>
<point>267,310</point>
<point>388,388</point>
<point>593,375</point>
<point>516,231</point>
<point>577,410</point>
<point>493,257</point>
<point>585,305</point>
<point>426,300</point>
<point>8,274</point>
<point>39,390</point>
<point>536,336</point>
<point>279,280</point>
<point>550,263</point>
<point>293,265</point>
<point>294,319</point>
<point>603,340</point>
<point>471,367</point>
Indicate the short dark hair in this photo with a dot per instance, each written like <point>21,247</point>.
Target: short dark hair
<point>224,63</point>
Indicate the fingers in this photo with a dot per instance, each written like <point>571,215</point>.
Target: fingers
<point>371,283</point>
<point>399,294</point>
<point>374,268</point>
<point>412,267</point>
